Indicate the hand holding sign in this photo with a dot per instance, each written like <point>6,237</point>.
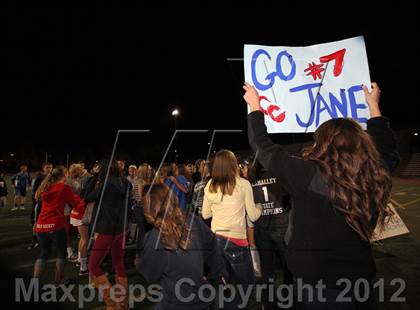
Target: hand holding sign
<point>372,99</point>
<point>251,97</point>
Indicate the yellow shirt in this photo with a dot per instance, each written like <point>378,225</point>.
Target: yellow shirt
<point>229,212</point>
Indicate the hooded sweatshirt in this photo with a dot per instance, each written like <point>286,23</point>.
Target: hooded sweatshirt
<point>52,216</point>
<point>229,212</point>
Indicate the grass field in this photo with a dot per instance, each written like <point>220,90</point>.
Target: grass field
<point>397,257</point>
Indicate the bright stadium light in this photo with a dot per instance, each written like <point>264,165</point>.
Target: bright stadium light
<point>175,113</point>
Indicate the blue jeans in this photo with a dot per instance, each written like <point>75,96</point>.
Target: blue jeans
<point>238,261</point>
<point>238,264</point>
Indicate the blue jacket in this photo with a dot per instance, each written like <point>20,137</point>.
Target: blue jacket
<point>182,199</point>
<point>21,180</point>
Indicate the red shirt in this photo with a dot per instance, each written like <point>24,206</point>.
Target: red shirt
<point>54,200</point>
<point>78,211</point>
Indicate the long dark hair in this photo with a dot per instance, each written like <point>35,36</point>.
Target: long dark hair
<point>162,211</point>
<point>54,176</point>
<point>114,171</point>
<point>359,186</point>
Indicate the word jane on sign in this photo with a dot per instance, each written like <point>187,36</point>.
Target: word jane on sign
<point>318,104</point>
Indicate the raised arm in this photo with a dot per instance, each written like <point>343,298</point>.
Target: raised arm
<point>379,129</point>
<point>258,137</point>
<point>294,173</point>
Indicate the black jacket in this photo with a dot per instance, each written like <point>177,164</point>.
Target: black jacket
<point>111,213</point>
<point>166,267</point>
<point>320,245</point>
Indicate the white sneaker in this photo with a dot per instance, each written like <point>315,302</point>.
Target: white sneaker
<point>14,208</point>
<point>22,207</point>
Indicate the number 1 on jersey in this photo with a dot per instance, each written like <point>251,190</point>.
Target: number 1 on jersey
<point>264,189</point>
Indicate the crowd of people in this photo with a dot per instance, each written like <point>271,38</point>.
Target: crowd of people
<point>222,221</point>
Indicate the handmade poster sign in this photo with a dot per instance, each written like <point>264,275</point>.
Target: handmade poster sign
<point>302,87</point>
<point>394,226</point>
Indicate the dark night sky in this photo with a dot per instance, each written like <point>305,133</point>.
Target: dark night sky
<point>71,76</point>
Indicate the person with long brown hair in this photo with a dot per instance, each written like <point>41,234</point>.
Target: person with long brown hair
<point>228,200</point>
<point>112,195</point>
<point>177,249</point>
<point>340,189</point>
<point>54,195</point>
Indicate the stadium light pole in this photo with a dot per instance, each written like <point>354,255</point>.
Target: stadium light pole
<point>175,113</point>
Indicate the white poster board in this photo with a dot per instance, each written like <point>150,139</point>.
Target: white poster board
<point>394,226</point>
<point>302,87</point>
